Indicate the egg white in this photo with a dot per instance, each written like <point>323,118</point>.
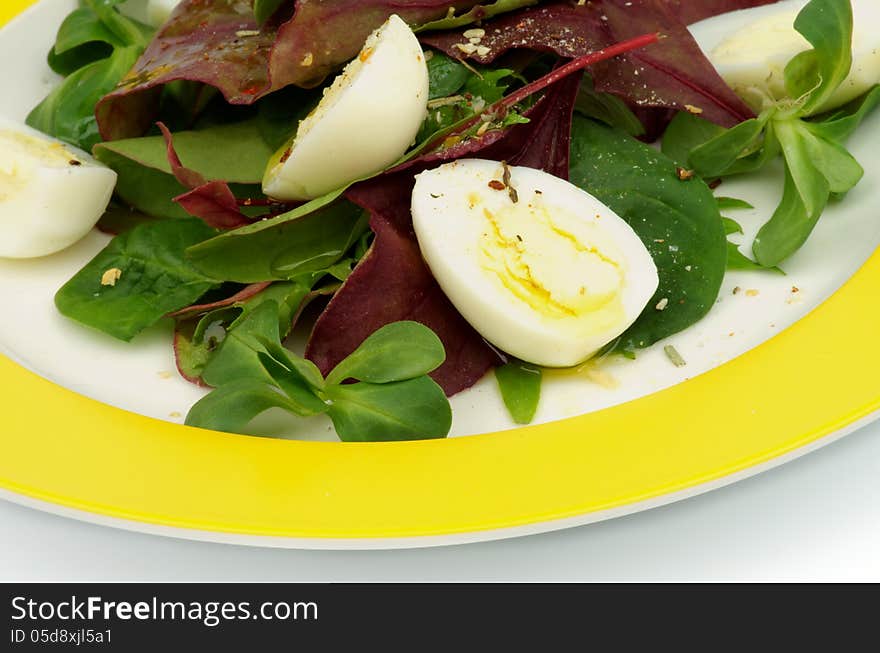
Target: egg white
<point>149,12</point>
<point>158,11</point>
<point>751,47</point>
<point>51,194</point>
<point>582,276</point>
<point>366,120</point>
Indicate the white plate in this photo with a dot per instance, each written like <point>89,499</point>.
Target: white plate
<point>141,376</point>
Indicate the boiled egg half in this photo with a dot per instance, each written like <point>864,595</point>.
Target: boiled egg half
<point>51,194</point>
<point>365,121</point>
<point>750,49</point>
<point>540,268</point>
<point>158,11</point>
<point>150,12</point>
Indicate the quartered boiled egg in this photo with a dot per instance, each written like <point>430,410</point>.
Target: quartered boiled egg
<point>150,12</point>
<point>366,120</point>
<point>750,48</point>
<point>51,194</point>
<point>158,11</point>
<point>540,268</point>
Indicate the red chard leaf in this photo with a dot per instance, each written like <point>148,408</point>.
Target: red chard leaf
<point>242,295</point>
<point>214,203</point>
<point>188,358</point>
<point>543,142</point>
<point>186,176</point>
<point>324,34</point>
<point>541,147</point>
<point>211,201</point>
<point>392,283</point>
<point>654,120</point>
<point>670,74</point>
<point>216,42</point>
<point>219,43</point>
<point>689,11</point>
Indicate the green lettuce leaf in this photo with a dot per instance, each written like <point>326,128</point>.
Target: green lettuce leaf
<point>154,279</point>
<point>678,221</point>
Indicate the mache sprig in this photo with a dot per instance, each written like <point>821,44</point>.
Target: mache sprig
<point>818,167</point>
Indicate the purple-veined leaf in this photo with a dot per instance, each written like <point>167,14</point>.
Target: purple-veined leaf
<point>671,74</point>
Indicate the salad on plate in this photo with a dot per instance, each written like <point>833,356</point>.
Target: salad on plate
<point>432,191</point>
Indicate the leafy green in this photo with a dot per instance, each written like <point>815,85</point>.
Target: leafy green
<point>813,76</point>
<point>490,84</point>
<point>279,114</point>
<point>301,369</point>
<point>83,26</point>
<point>698,144</point>
<point>731,226</point>
<point>235,152</point>
<point>217,336</point>
<point>191,356</point>
<point>96,46</point>
<point>68,112</point>
<point>233,406</point>
<point>186,105</point>
<point>399,403</point>
<point>265,9</point>
<point>309,238</point>
<point>79,57</point>
<point>817,165</point>
<point>718,155</point>
<point>415,409</point>
<point>803,199</point>
<point>731,203</point>
<point>520,385</point>
<point>446,76</point>
<point>677,220</point>
<point>119,218</point>
<point>839,125</point>
<point>124,28</point>
<point>90,33</point>
<point>458,92</point>
<point>476,13</point>
<point>736,260</point>
<point>607,108</point>
<point>237,355</point>
<point>380,359</point>
<point>830,159</point>
<point>154,279</point>
<point>290,379</point>
<point>151,191</point>
<point>143,188</point>
<point>685,133</point>
<point>81,40</point>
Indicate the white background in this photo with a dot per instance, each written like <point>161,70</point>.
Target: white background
<point>814,519</point>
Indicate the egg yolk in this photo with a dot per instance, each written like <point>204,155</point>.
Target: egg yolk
<point>15,145</point>
<point>559,264</point>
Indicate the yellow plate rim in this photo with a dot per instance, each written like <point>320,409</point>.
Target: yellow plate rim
<point>793,393</point>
